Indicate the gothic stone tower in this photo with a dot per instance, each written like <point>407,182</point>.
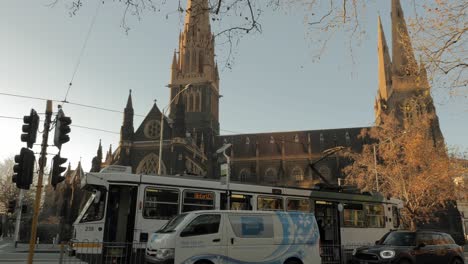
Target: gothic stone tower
<point>194,64</point>
<point>403,88</point>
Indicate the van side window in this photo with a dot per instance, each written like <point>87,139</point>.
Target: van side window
<point>298,205</point>
<point>202,225</point>
<point>395,217</point>
<point>252,226</point>
<point>269,203</point>
<point>198,200</point>
<point>161,203</point>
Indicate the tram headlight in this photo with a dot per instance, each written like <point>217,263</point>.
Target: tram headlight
<point>165,253</point>
<point>387,254</point>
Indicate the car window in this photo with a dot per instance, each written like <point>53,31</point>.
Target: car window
<point>438,239</point>
<point>400,239</point>
<point>202,225</point>
<point>448,239</point>
<point>425,238</point>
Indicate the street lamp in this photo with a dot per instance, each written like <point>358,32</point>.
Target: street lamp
<point>228,172</point>
<point>162,124</point>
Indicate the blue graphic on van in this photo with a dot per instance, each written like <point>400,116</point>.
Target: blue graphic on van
<point>300,237</point>
<point>252,225</point>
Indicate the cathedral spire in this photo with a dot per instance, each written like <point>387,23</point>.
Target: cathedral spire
<point>384,65</point>
<point>197,15</point>
<point>126,131</point>
<point>404,62</point>
<point>423,80</point>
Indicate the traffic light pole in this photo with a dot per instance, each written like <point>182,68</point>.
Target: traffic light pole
<point>42,162</point>
<point>19,210</point>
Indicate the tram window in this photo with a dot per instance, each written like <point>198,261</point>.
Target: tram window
<point>301,205</point>
<point>198,200</point>
<point>95,211</point>
<point>353,215</point>
<point>269,203</point>
<point>375,215</point>
<point>161,203</point>
<point>238,201</point>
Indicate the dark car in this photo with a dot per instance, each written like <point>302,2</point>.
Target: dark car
<point>406,247</point>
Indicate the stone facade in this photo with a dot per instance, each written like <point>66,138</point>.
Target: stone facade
<point>191,129</point>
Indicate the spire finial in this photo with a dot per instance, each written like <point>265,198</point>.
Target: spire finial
<point>404,62</point>
<point>384,63</point>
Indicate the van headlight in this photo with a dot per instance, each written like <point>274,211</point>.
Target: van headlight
<point>165,253</point>
<point>387,254</point>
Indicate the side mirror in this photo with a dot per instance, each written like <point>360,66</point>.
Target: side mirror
<point>377,242</point>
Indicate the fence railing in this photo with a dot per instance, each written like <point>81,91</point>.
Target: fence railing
<point>94,252</point>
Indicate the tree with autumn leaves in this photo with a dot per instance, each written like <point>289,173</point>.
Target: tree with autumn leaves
<point>407,162</point>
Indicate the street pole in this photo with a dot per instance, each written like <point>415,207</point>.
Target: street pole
<point>228,179</point>
<point>375,169</point>
<point>162,125</point>
<point>19,210</point>
<point>42,162</point>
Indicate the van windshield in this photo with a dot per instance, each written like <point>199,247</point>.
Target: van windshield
<point>172,224</point>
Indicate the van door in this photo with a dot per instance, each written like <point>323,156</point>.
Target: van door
<point>250,237</point>
<point>202,239</point>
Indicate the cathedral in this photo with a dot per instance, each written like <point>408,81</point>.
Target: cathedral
<point>191,134</point>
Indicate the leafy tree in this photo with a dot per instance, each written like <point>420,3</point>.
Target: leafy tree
<point>409,164</point>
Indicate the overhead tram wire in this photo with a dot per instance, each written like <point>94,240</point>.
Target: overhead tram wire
<point>77,126</point>
<point>71,103</point>
<point>99,3</point>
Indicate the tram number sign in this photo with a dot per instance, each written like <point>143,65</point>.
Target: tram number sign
<point>203,196</point>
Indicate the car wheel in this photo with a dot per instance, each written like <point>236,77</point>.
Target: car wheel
<point>456,261</point>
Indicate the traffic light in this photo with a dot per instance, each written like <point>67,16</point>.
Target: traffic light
<point>11,206</point>
<point>31,123</point>
<point>57,170</point>
<point>62,128</point>
<point>23,170</point>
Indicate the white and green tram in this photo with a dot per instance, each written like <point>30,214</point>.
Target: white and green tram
<point>128,208</point>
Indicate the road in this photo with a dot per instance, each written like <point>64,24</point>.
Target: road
<point>46,254</point>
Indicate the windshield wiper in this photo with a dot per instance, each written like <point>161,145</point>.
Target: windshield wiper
<point>165,231</point>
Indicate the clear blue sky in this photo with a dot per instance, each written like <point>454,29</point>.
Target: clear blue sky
<point>274,85</point>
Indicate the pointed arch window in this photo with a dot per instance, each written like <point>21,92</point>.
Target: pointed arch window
<point>347,138</point>
<point>271,176</point>
<point>197,102</point>
<point>297,174</point>
<point>192,103</point>
<point>187,60</point>
<point>200,62</point>
<point>149,165</point>
<point>244,175</point>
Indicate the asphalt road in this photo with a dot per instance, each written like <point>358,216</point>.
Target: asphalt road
<point>46,254</point>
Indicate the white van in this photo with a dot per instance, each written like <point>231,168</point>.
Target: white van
<point>241,237</point>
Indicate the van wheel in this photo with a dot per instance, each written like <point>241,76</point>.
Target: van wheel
<point>293,261</point>
<point>456,261</point>
<point>203,262</point>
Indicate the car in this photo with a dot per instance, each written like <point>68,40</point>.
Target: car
<point>411,247</point>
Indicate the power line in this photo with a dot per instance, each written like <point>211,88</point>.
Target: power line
<point>71,103</point>
<point>77,126</point>
<point>82,49</point>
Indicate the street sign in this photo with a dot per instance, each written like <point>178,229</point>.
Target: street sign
<point>224,172</point>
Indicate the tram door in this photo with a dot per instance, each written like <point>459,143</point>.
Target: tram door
<point>328,220</point>
<point>120,217</point>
